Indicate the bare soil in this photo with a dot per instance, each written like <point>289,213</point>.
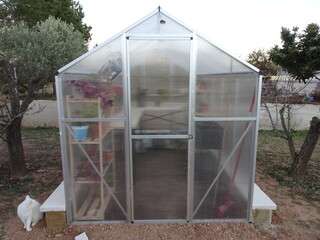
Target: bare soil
<point>297,216</point>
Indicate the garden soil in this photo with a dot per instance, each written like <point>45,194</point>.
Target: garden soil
<point>295,218</point>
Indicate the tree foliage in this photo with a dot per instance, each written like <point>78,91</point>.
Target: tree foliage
<point>45,48</point>
<point>29,58</point>
<point>35,11</point>
<point>299,54</point>
<point>300,57</point>
<point>261,59</point>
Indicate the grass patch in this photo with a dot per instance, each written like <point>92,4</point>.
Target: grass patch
<point>274,158</point>
<point>271,133</point>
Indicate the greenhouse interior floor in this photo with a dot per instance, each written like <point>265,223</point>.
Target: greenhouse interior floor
<point>160,188</point>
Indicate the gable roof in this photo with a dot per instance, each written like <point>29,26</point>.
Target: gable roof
<point>156,25</point>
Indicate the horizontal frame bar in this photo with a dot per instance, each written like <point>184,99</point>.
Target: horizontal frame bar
<point>95,222</point>
<point>70,120</point>
<point>159,36</point>
<point>160,136</point>
<point>156,221</point>
<point>219,220</point>
<point>224,119</point>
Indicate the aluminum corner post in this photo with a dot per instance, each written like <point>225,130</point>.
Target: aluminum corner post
<point>128,141</point>
<point>63,145</point>
<point>191,145</point>
<point>128,153</point>
<point>255,149</point>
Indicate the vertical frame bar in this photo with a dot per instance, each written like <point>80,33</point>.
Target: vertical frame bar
<point>63,145</point>
<point>251,183</point>
<point>191,130</point>
<point>128,147</point>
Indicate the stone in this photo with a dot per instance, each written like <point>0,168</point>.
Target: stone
<point>56,220</point>
<point>262,218</point>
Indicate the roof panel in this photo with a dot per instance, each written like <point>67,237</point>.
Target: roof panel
<point>159,23</point>
<point>211,58</point>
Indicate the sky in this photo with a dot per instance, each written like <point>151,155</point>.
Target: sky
<point>238,26</point>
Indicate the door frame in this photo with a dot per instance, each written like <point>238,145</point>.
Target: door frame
<point>191,123</point>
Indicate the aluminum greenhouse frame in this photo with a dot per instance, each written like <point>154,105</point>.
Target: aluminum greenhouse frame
<point>158,124</point>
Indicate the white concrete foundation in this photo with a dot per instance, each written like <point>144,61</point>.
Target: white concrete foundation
<point>55,208</point>
<point>262,207</point>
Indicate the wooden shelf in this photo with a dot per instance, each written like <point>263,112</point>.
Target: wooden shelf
<point>84,142</point>
<point>83,179</point>
<point>79,180</point>
<point>83,100</point>
<point>97,196</point>
<point>93,207</point>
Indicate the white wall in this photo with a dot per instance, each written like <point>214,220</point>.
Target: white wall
<point>302,115</point>
<point>48,117</point>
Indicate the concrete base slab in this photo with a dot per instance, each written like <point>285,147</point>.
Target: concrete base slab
<point>55,208</point>
<point>262,208</point>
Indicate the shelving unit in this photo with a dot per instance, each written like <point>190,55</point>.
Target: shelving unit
<point>90,162</point>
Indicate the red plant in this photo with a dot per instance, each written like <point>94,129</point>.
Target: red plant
<point>90,91</point>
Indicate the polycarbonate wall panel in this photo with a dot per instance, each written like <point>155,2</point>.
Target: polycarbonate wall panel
<point>160,179</point>
<point>225,87</point>
<point>212,60</point>
<point>93,87</point>
<point>87,97</point>
<point>230,95</point>
<point>159,86</point>
<point>115,177</point>
<point>96,171</point>
<point>99,61</point>
<point>223,169</point>
<point>154,26</point>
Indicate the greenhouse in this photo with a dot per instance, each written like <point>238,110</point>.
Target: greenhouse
<point>158,124</point>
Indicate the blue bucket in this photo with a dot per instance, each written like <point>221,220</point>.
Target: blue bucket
<point>80,132</point>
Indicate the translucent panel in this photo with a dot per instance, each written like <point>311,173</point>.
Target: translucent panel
<point>223,169</point>
<point>86,97</point>
<point>211,60</point>
<point>159,86</point>
<point>115,177</point>
<point>107,59</point>
<point>230,95</point>
<point>159,24</point>
<point>97,171</point>
<point>160,178</point>
<point>86,190</point>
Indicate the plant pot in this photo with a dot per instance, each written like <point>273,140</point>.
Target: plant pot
<point>204,108</point>
<point>105,127</point>
<point>80,132</point>
<point>108,156</point>
<point>94,130</point>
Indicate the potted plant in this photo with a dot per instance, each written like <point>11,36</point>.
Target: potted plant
<point>141,97</point>
<point>87,89</point>
<point>162,94</point>
<point>80,130</point>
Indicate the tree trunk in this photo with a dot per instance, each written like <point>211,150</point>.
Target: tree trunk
<point>300,162</point>
<point>15,148</point>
